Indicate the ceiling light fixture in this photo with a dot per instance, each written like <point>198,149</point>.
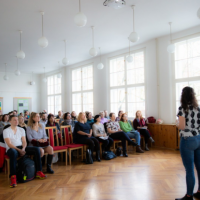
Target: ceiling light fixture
<point>17,72</point>
<point>100,65</point>
<point>20,53</point>
<point>43,42</point>
<point>5,77</point>
<point>117,4</point>
<point>171,47</point>
<point>64,60</point>
<point>133,37</point>
<point>93,52</point>
<point>80,19</point>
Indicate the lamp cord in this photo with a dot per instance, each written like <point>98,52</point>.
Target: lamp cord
<point>79,5</point>
<point>133,19</point>
<point>42,27</point>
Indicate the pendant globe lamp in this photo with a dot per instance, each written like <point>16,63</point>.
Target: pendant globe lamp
<point>20,53</point>
<point>198,13</point>
<point>133,37</point>
<point>43,42</point>
<point>129,58</point>
<point>80,19</point>
<point>171,47</point>
<point>32,81</point>
<point>64,60</point>
<point>44,79</point>
<point>5,76</point>
<point>93,52</point>
<point>100,65</point>
<point>17,72</point>
<point>59,75</point>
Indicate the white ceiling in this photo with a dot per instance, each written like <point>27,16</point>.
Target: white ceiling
<point>112,27</point>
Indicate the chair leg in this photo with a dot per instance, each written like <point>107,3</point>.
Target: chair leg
<point>66,157</point>
<point>70,157</point>
<point>8,167</point>
<point>127,146</point>
<point>100,150</point>
<point>5,166</point>
<point>82,153</point>
<point>77,153</point>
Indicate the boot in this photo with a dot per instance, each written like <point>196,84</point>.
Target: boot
<point>152,140</point>
<point>134,144</point>
<point>138,149</point>
<point>197,195</point>
<point>49,161</point>
<point>125,154</point>
<point>146,147</point>
<point>186,198</point>
<point>98,156</point>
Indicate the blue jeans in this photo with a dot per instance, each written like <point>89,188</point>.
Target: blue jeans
<point>135,135</point>
<point>190,153</point>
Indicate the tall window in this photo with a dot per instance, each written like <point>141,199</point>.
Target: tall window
<point>54,94</point>
<point>82,89</point>
<point>187,67</point>
<point>127,84</point>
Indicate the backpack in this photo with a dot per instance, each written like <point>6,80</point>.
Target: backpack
<point>108,155</point>
<point>151,120</point>
<point>25,169</point>
<point>118,151</point>
<point>89,159</point>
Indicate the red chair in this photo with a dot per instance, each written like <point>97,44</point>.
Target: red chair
<point>68,142</point>
<point>51,132</point>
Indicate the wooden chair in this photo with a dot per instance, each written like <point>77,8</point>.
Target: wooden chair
<point>68,142</point>
<point>51,131</point>
<point>129,145</point>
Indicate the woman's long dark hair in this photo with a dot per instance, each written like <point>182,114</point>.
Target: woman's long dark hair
<point>188,98</point>
<point>49,116</point>
<point>65,115</point>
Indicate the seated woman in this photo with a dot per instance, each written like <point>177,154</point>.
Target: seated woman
<point>106,114</point>
<point>99,131</point>
<point>119,116</point>
<point>90,120</point>
<point>130,131</point>
<point>51,122</point>
<point>117,134</point>
<point>103,119</point>
<point>83,135</point>
<point>68,121</point>
<point>140,125</point>
<point>73,116</point>
<point>5,120</point>
<point>36,131</point>
<point>21,122</point>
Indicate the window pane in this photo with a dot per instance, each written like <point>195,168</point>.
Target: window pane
<point>51,104</point>
<point>76,80</point>
<point>57,104</point>
<point>117,100</point>
<point>88,101</point>
<point>87,73</point>
<point>136,100</point>
<point>76,102</point>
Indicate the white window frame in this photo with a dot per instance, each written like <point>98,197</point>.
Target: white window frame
<point>174,80</point>
<point>54,95</point>
<point>131,85</point>
<point>83,91</point>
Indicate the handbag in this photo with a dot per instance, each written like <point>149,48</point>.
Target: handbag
<point>36,143</point>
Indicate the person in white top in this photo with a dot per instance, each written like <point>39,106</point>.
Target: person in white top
<point>43,119</point>
<point>16,146</point>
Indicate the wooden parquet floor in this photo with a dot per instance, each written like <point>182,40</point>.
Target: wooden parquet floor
<point>154,175</point>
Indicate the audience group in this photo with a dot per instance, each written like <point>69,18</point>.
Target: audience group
<point>20,131</point>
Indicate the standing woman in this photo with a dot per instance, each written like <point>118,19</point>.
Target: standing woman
<point>83,135</point>
<point>141,126</point>
<point>36,131</point>
<point>189,125</point>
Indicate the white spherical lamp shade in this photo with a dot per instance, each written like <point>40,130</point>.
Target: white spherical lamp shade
<point>17,72</point>
<point>129,58</point>
<point>198,13</point>
<point>59,76</point>
<point>133,37</point>
<point>100,66</point>
<point>43,42</point>
<point>20,54</point>
<point>5,77</point>
<point>171,48</point>
<point>93,52</point>
<point>65,61</point>
<point>44,80</point>
<point>80,19</point>
<point>32,82</point>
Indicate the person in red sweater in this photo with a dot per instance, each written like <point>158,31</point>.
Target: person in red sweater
<point>140,125</point>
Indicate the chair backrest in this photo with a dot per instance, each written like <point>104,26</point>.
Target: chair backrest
<point>68,136</point>
<point>51,131</point>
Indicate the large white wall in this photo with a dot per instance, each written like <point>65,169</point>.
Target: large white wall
<point>160,101</point>
<point>18,86</point>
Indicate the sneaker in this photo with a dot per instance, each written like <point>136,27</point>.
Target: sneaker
<point>13,181</point>
<point>197,195</point>
<point>40,175</point>
<point>186,198</point>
